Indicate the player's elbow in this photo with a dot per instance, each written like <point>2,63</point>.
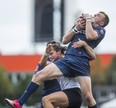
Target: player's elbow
<point>64,41</point>
<point>93,57</point>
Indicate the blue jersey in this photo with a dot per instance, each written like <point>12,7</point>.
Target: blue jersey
<point>76,60</point>
<point>81,52</point>
<point>50,86</point>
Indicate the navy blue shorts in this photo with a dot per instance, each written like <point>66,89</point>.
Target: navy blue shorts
<point>71,66</point>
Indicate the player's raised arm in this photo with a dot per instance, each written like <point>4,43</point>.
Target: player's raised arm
<point>67,37</point>
<point>44,58</point>
<point>78,25</point>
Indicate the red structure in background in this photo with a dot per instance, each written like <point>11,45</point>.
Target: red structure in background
<point>28,63</point>
<point>106,59</point>
<point>19,63</point>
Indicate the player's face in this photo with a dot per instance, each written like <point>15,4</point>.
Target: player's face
<point>99,17</point>
<point>53,55</point>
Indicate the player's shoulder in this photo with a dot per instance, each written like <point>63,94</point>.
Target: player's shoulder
<point>99,28</point>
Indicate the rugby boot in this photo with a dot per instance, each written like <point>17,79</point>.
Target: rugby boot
<point>12,103</point>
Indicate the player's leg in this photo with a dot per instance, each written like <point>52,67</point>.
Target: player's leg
<point>85,83</point>
<point>49,72</point>
<point>57,99</point>
<point>70,98</point>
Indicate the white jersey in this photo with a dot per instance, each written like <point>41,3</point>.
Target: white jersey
<point>66,82</point>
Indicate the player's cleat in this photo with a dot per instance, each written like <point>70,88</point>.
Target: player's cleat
<point>12,103</point>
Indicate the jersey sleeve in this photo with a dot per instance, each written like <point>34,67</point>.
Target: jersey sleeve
<point>101,32</point>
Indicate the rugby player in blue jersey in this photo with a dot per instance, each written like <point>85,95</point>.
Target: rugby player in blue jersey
<point>76,60</point>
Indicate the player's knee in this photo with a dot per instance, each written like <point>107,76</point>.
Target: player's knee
<point>46,100</point>
<point>88,97</point>
<point>38,77</point>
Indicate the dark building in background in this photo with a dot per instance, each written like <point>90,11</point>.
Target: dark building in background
<point>43,21</point>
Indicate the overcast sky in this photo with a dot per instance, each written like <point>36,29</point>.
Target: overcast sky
<point>16,24</point>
